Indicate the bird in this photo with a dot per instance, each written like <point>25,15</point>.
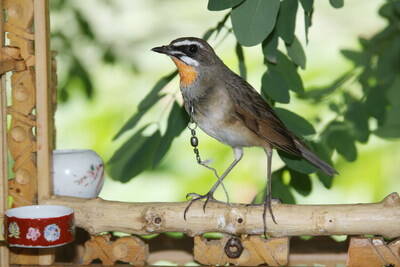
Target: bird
<point>227,108</point>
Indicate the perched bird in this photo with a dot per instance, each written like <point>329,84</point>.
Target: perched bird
<point>230,110</point>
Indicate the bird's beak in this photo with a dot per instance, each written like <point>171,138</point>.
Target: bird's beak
<point>162,49</point>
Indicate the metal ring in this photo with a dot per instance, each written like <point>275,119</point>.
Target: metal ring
<point>192,126</point>
<point>233,248</point>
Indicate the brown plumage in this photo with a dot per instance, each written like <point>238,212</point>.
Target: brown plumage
<point>259,117</point>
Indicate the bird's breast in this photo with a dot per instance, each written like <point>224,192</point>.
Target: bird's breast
<point>214,113</point>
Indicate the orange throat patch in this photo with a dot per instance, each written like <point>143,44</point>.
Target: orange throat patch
<point>188,74</point>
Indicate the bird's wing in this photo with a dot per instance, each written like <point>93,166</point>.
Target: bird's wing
<point>259,117</point>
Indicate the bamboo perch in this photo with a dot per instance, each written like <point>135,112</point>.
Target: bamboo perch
<point>98,215</point>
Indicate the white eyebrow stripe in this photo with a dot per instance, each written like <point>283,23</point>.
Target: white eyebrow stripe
<point>177,53</point>
<point>189,61</point>
<point>187,42</point>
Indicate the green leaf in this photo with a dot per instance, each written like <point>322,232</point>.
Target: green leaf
<point>161,83</point>
<point>150,99</point>
<point>325,154</point>
<point>337,3</point>
<point>388,61</point>
<point>254,20</point>
<point>325,179</point>
<point>307,5</point>
<point>177,122</point>
<point>81,73</point>
<point>286,22</point>
<point>270,47</point>
<point>208,34</point>
<point>280,190</point>
<point>358,58</point>
<point>300,182</point>
<point>308,11</point>
<point>134,161</point>
<point>221,23</point>
<point>296,53</point>
<point>340,139</point>
<point>109,55</point>
<point>132,144</point>
<point>345,145</point>
<point>84,25</point>
<point>357,115</point>
<point>297,163</point>
<point>393,92</point>
<point>294,122</point>
<point>242,64</point>
<point>217,5</point>
<point>274,85</point>
<point>377,103</point>
<point>391,126</point>
<point>288,72</point>
<point>317,94</point>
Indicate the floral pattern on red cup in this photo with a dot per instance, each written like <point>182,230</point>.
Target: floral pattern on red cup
<point>13,230</point>
<point>33,233</point>
<point>52,232</point>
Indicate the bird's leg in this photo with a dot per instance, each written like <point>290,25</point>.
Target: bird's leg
<point>210,195</point>
<point>268,194</point>
<point>204,164</point>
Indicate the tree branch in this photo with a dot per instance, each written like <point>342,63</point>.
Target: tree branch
<point>98,215</point>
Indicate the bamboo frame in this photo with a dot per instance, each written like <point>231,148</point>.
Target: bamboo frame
<point>44,110</point>
<point>97,215</point>
<point>43,98</point>
<point>4,252</point>
<point>31,91</point>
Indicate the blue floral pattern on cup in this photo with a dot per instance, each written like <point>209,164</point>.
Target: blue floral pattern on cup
<point>52,232</point>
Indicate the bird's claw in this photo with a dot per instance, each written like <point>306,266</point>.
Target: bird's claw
<point>195,197</point>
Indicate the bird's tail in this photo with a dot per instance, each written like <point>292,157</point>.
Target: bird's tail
<point>314,159</point>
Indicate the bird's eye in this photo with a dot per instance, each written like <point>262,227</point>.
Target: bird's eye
<point>193,49</point>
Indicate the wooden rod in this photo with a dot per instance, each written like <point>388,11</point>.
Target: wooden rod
<point>4,251</point>
<point>44,110</point>
<point>98,215</point>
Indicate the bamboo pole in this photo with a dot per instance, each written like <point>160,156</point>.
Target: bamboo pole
<point>4,252</point>
<point>97,215</point>
<point>44,110</point>
<point>43,98</point>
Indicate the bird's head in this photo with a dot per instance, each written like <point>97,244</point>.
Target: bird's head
<point>191,55</point>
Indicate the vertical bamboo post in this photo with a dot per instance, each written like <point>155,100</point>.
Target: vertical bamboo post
<point>44,113</point>
<point>44,110</point>
<point>4,252</point>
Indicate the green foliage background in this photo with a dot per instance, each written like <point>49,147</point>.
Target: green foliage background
<point>348,107</point>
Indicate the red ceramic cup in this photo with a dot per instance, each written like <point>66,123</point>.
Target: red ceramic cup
<point>40,226</point>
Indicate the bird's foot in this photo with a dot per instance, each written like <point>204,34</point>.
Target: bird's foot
<point>195,197</point>
<point>268,205</point>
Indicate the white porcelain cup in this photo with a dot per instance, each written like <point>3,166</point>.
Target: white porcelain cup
<point>77,173</point>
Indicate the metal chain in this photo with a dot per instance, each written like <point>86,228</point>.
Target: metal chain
<point>194,142</point>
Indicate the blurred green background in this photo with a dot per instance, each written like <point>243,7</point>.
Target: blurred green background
<point>112,41</point>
